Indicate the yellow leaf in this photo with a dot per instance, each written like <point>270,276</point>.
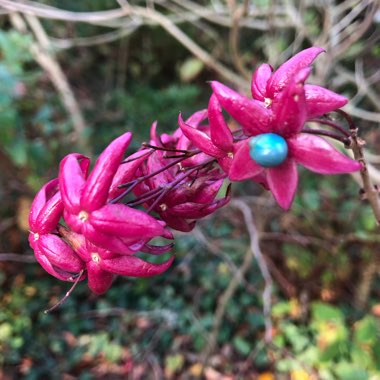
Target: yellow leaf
<point>300,374</point>
<point>23,208</point>
<point>196,369</point>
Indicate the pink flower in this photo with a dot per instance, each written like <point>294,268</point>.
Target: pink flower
<point>219,141</point>
<point>267,85</point>
<point>102,265</point>
<point>53,254</point>
<point>116,227</point>
<point>180,194</point>
<point>183,196</point>
<point>278,144</point>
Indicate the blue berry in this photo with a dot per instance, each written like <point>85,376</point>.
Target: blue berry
<point>268,149</point>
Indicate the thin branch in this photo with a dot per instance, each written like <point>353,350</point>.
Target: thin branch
<point>187,42</point>
<point>362,114</point>
<point>67,295</point>
<point>371,192</point>
<point>256,252</point>
<point>237,14</point>
<point>41,52</point>
<point>222,305</point>
<point>30,259</point>
<point>60,43</point>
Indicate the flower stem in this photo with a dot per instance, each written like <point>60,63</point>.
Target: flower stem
<point>154,147</point>
<point>331,124</point>
<point>321,132</point>
<point>67,295</point>
<point>131,185</point>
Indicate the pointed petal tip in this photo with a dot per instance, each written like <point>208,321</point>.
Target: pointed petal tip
<point>283,181</point>
<point>220,132</point>
<point>259,81</point>
<point>200,139</point>
<point>135,267</point>
<point>281,77</point>
<point>95,192</point>
<point>253,116</point>
<point>318,155</point>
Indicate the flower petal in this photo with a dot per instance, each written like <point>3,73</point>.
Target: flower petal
<point>134,267</point>
<point>282,76</point>
<point>196,118</point>
<point>318,155</point>
<point>283,181</point>
<point>99,280</point>
<point>71,182</point>
<point>95,192</point>
<point>60,253</point>
<point>319,100</point>
<point>50,214</point>
<point>177,223</point>
<point>250,113</point>
<point>126,172</point>
<point>42,216</point>
<point>126,222</point>
<point>48,267</point>
<point>207,193</point>
<point>289,107</point>
<point>225,163</point>
<point>261,179</point>
<point>157,249</point>
<point>192,210</point>
<point>220,133</point>
<point>108,241</point>
<point>76,241</point>
<point>154,140</point>
<point>200,139</point>
<point>243,166</point>
<point>260,80</point>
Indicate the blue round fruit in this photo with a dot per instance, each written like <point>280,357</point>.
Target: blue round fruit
<point>268,149</point>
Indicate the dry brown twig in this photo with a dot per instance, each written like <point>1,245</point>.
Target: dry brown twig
<point>30,259</point>
<point>253,252</point>
<point>369,189</point>
<point>42,53</point>
<point>259,257</point>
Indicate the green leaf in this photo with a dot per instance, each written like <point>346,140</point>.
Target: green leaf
<point>348,371</point>
<point>324,312</point>
<point>5,332</point>
<point>190,69</point>
<point>281,309</point>
<point>366,331</point>
<point>241,345</point>
<point>174,363</point>
<point>295,336</point>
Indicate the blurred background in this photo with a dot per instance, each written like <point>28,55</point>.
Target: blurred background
<point>76,74</point>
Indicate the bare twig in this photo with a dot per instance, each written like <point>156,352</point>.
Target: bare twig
<point>223,302</point>
<point>187,42</point>
<point>67,295</point>
<point>371,192</point>
<point>367,275</point>
<point>17,257</point>
<point>256,251</point>
<point>237,14</point>
<point>41,52</point>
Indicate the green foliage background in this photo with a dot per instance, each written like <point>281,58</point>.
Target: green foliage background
<point>320,249</point>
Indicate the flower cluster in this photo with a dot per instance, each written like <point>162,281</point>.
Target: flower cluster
<point>273,139</point>
<point>93,224</point>
<point>100,238</point>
